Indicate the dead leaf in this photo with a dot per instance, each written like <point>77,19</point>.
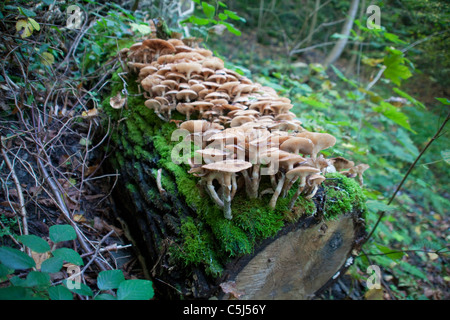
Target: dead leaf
<point>433,256</point>
<point>374,294</point>
<point>91,113</point>
<point>117,102</point>
<point>79,218</point>
<point>39,258</point>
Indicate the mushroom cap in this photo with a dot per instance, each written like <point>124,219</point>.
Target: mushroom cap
<point>211,155</point>
<point>238,121</point>
<point>159,45</point>
<point>320,140</point>
<point>341,163</point>
<point>301,172</point>
<point>195,126</point>
<point>213,63</point>
<point>152,104</point>
<point>315,179</point>
<point>291,159</point>
<point>298,145</point>
<point>229,166</point>
<point>360,168</point>
<point>188,67</point>
<point>186,94</point>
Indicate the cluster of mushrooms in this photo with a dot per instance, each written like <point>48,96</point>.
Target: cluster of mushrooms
<point>243,131</point>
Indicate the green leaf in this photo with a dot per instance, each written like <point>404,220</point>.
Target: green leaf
<point>110,279</point>
<point>35,243</point>
<point>34,24</point>
<point>342,77</point>
<point>208,9</point>
<point>393,37</point>
<point>223,16</point>
<point>37,279</point>
<point>105,296</point>
<point>231,28</point>
<point>68,255</point>
<point>409,98</point>
<point>446,155</point>
<point>135,290</point>
<point>315,103</point>
<point>390,112</point>
<point>78,288</point>
<point>52,265</point>
<point>233,15</point>
<point>62,232</point>
<point>15,293</point>
<point>26,12</point>
<point>391,254</point>
<point>15,259</point>
<point>444,101</point>
<point>198,21</point>
<point>395,68</point>
<point>4,271</point>
<point>60,293</point>
<point>223,5</point>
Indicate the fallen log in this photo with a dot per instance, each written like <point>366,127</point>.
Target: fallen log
<point>292,248</point>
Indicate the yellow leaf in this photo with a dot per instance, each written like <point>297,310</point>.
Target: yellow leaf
<point>374,294</point>
<point>47,59</point>
<point>24,28</point>
<point>433,256</point>
<point>371,62</point>
<point>79,218</point>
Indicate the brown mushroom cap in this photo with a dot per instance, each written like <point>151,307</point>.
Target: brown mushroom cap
<point>321,141</point>
<point>186,95</point>
<point>159,46</point>
<point>341,163</point>
<point>195,126</point>
<point>211,155</point>
<point>301,172</point>
<point>230,166</point>
<point>298,145</point>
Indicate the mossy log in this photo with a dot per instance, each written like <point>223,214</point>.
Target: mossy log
<point>191,251</point>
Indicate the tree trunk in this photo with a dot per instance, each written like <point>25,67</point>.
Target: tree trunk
<point>345,32</point>
<point>190,251</point>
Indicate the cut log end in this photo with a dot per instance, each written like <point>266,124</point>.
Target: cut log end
<point>299,263</point>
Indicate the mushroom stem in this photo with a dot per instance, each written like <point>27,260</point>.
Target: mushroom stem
<point>227,196</point>
<point>288,185</point>
<point>248,182</point>
<point>276,194</point>
<point>255,180</point>
<point>213,194</point>
<point>313,193</point>
<point>301,186</point>
<point>234,186</point>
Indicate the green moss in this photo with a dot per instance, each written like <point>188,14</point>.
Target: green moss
<point>342,195</point>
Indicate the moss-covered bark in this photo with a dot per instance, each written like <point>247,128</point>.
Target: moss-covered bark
<point>187,237</point>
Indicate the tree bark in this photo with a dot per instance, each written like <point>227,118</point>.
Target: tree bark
<point>338,48</point>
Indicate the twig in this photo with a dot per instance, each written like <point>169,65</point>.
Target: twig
<point>382,213</point>
<point>23,211</point>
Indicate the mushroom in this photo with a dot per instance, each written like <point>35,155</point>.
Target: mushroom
<point>186,95</point>
<point>225,172</point>
<point>155,105</point>
<point>359,170</point>
<point>188,68</point>
<point>186,109</point>
<point>321,141</point>
<point>301,173</point>
<point>159,46</point>
<point>314,181</point>
<point>341,163</point>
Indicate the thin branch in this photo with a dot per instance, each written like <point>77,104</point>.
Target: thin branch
<point>382,213</point>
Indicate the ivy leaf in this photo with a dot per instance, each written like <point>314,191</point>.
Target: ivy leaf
<point>208,9</point>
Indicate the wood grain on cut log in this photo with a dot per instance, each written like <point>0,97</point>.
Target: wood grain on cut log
<point>189,249</point>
